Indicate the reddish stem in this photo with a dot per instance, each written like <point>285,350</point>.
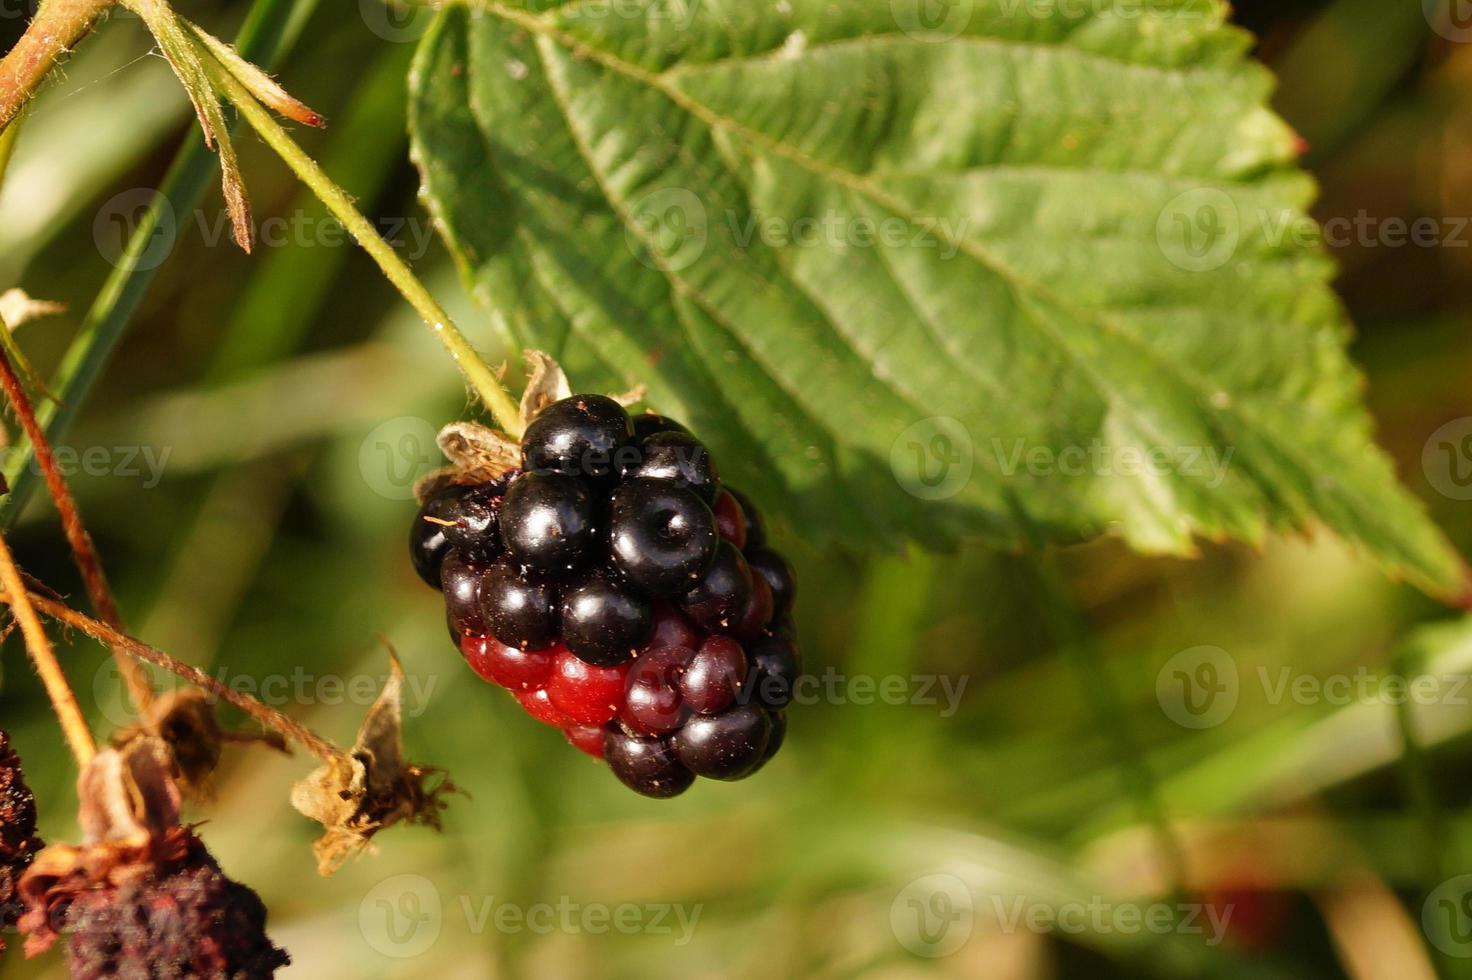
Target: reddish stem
<point>84,552</point>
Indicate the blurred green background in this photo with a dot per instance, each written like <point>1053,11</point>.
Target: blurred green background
<point>254,443</point>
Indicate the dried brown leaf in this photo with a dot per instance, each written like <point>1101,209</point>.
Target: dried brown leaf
<point>372,787</point>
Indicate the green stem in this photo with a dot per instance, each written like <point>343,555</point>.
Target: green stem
<point>485,382</point>
<point>8,137</point>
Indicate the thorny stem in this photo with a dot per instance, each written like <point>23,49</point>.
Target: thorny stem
<point>84,552</point>
<point>121,642</point>
<point>57,26</point>
<point>63,700</point>
<point>485,382</point>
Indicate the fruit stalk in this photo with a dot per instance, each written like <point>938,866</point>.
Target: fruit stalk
<point>57,26</point>
<point>84,552</point>
<point>15,595</point>
<point>63,701</point>
<point>476,371</point>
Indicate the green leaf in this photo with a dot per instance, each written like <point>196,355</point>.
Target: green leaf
<point>896,269</point>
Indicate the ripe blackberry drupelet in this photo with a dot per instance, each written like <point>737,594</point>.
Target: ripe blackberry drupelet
<point>622,594</point>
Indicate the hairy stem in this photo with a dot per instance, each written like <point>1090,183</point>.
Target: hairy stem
<point>485,382</point>
<point>57,26</point>
<point>38,645</point>
<point>122,643</point>
<point>84,552</point>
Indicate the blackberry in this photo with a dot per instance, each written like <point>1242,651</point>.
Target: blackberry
<point>18,841</point>
<point>662,538</point>
<point>460,580</point>
<point>520,608</point>
<point>647,424</point>
<point>724,746</point>
<point>621,593</point>
<point>677,458</point>
<point>719,597</point>
<point>547,521</point>
<point>577,436</point>
<point>428,542</point>
<point>603,621</point>
<point>183,919</point>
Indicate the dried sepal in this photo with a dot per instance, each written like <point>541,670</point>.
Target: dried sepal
<point>547,383</point>
<point>17,307</point>
<point>478,453</point>
<point>372,787</point>
<point>185,720</point>
<point>179,49</point>
<point>257,82</point>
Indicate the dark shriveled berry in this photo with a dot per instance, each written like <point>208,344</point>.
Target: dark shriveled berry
<point>713,678</point>
<point>547,522</point>
<point>428,543</point>
<point>724,746</point>
<point>520,609</point>
<point>603,621</point>
<point>646,765</point>
<point>719,599</point>
<point>462,581</point>
<point>576,436</point>
<point>678,458</point>
<point>662,538</point>
<point>778,575</point>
